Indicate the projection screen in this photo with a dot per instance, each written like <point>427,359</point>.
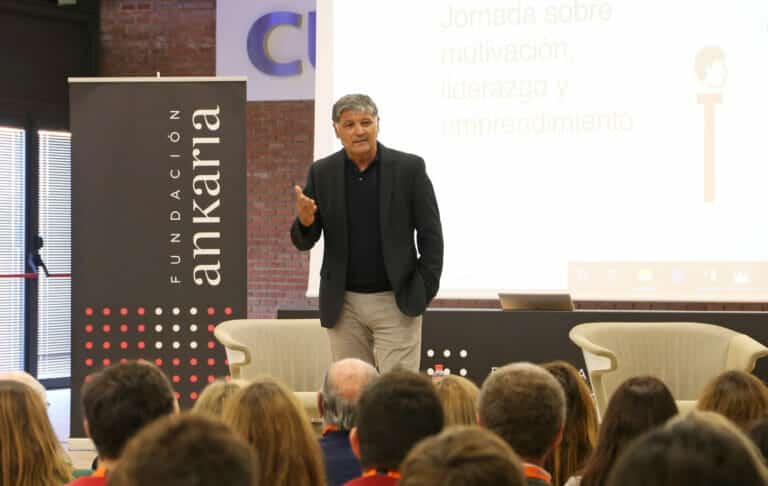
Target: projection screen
<point>613,148</point>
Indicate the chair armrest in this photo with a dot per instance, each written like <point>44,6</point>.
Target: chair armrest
<point>596,350</point>
<point>743,352</point>
<point>229,342</point>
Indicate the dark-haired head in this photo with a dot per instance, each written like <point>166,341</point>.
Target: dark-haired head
<point>637,406</point>
<point>525,405</point>
<point>462,456</point>
<point>190,449</point>
<point>121,399</point>
<point>702,449</point>
<point>758,432</point>
<point>394,413</point>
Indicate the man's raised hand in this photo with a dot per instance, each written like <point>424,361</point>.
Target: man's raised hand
<point>305,207</point>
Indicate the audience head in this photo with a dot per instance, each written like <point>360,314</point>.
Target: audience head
<point>121,399</point>
<point>700,448</point>
<point>394,413</point>
<point>737,395</point>
<point>30,453</point>
<point>759,435</point>
<point>184,450</point>
<point>459,398</point>
<point>525,405</point>
<point>269,417</point>
<point>580,430</point>
<point>213,396</point>
<point>638,405</point>
<point>342,385</point>
<point>462,456</point>
<point>27,379</point>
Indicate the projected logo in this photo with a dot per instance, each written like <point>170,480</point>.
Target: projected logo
<point>711,71</point>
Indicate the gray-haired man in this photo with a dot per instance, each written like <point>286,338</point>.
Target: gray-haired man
<point>344,382</point>
<point>368,200</point>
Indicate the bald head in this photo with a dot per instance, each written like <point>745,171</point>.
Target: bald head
<point>344,382</point>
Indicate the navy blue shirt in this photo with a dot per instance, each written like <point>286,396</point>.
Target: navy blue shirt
<point>366,272</point>
<point>341,465</point>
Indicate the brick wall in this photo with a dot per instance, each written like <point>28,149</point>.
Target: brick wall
<point>177,38</point>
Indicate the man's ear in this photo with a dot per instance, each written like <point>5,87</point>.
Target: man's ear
<point>354,442</point>
<point>320,403</point>
<point>336,129</point>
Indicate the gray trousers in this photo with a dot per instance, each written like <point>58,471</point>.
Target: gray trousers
<point>372,328</point>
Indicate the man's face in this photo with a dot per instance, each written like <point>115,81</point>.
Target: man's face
<point>357,131</point>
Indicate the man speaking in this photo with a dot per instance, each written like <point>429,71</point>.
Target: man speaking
<point>367,200</point>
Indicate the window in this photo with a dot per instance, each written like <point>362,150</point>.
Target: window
<point>54,220</point>
<point>12,247</point>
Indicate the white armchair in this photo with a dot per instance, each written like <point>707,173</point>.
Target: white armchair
<point>295,351</point>
<point>684,355</point>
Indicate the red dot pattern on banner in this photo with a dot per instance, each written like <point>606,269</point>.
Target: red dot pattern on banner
<point>183,348</point>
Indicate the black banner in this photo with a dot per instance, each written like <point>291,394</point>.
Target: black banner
<point>158,225</point>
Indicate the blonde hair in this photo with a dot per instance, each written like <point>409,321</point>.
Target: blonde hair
<point>268,416</point>
<point>580,429</point>
<point>458,396</point>
<point>215,395</point>
<point>737,395</point>
<point>30,453</point>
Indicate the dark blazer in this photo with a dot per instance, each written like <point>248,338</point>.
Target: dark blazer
<point>407,203</point>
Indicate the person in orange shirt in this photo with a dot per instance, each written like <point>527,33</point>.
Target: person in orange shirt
<point>394,413</point>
